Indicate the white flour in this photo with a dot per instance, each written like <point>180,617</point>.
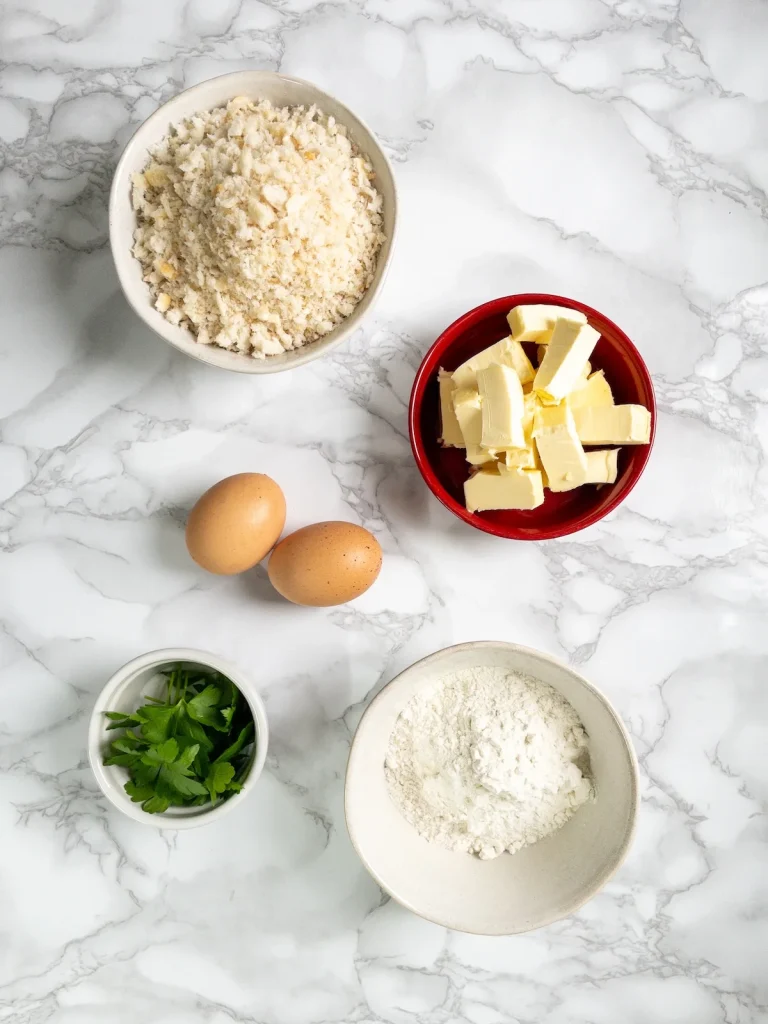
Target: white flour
<point>488,760</point>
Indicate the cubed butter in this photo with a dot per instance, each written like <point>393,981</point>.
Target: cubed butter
<point>559,448</point>
<point>451,436</point>
<point>521,458</point>
<point>525,458</point>
<point>513,488</point>
<point>564,361</point>
<point>613,424</point>
<point>479,456</point>
<point>519,361</point>
<point>506,352</point>
<point>502,407</point>
<point>536,323</point>
<point>530,404</point>
<point>602,466</point>
<point>467,406</point>
<point>596,391</point>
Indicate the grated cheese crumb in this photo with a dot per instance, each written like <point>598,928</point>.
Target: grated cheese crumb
<point>259,227</point>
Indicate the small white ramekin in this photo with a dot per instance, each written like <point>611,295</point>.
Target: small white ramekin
<point>125,692</point>
<point>280,90</point>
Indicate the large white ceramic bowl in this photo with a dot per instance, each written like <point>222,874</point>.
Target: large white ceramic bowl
<point>515,892</point>
<point>281,91</point>
<point>125,692</point>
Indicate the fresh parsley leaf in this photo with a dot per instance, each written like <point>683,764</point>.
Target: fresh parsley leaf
<point>203,708</point>
<point>209,697</point>
<point>124,760</point>
<point>173,774</point>
<point>188,727</point>
<point>128,743</point>
<point>219,779</point>
<point>145,775</point>
<point>155,804</point>
<point>162,753</point>
<point>178,778</point>
<point>243,737</point>
<point>201,764</point>
<point>188,755</point>
<point>138,793</point>
<point>156,722</point>
<point>117,720</point>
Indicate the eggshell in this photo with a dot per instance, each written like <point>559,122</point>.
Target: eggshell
<point>325,564</point>
<point>236,523</point>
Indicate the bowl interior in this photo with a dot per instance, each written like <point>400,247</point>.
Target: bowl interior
<point>513,893</point>
<point>445,469</point>
<point>281,91</point>
<point>126,696</point>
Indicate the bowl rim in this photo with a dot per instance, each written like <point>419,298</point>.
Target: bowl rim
<point>445,654</point>
<point>423,377</point>
<point>209,354</point>
<point>112,689</point>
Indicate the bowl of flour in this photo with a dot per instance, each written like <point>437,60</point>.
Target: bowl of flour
<point>491,789</point>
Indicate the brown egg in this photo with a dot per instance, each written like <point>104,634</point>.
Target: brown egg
<point>236,523</point>
<point>325,564</point>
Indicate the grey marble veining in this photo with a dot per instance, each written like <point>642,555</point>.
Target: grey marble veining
<point>613,151</point>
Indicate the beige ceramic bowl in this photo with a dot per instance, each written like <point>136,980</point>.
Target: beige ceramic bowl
<point>281,91</point>
<point>513,893</point>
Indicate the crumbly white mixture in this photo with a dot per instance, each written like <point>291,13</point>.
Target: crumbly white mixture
<point>488,760</point>
<point>258,226</point>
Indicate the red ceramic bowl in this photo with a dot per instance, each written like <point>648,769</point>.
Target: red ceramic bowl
<point>445,470</point>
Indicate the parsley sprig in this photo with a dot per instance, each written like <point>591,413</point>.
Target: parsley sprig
<point>192,746</point>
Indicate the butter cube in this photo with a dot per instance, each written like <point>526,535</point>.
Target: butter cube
<point>479,456</point>
<point>527,457</point>
<point>613,424</point>
<point>596,391</point>
<point>503,405</point>
<point>559,448</point>
<point>514,488</point>
<point>451,436</point>
<point>536,323</point>
<point>507,352</point>
<point>602,466</point>
<point>541,351</point>
<point>467,406</point>
<point>567,353</point>
<point>519,361</point>
<point>530,404</point>
<point>521,458</point>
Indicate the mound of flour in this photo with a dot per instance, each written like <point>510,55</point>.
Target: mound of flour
<point>488,760</point>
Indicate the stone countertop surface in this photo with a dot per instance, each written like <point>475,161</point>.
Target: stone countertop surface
<point>610,150</point>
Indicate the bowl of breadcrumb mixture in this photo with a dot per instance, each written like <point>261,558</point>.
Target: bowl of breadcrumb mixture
<point>252,220</point>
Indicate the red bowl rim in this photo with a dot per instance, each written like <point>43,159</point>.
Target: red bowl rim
<point>430,477</point>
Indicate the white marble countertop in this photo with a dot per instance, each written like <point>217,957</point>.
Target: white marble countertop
<point>613,150</point>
